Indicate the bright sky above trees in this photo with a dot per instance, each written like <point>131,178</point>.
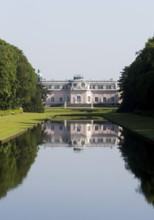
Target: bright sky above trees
<point>94,38</point>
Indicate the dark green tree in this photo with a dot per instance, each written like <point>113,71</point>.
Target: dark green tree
<point>7,75</point>
<point>36,102</point>
<point>18,80</point>
<point>136,81</point>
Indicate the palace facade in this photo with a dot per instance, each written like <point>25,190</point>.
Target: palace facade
<point>79,91</point>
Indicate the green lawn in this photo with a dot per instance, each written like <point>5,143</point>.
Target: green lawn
<point>142,125</point>
<point>12,125</point>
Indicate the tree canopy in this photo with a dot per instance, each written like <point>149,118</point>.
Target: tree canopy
<point>18,80</point>
<point>137,80</point>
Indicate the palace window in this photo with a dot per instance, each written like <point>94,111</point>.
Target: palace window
<point>100,140</point>
<point>96,99</point>
<point>92,86</point>
<point>112,128</point>
<point>60,127</point>
<point>104,128</point>
<point>68,98</point>
<point>52,128</point>
<point>112,99</point>
<point>108,140</point>
<point>100,86</point>
<point>68,127</point>
<point>93,140</point>
<point>89,99</point>
<point>78,98</point>
<point>108,86</point>
<point>57,86</point>
<point>60,99</point>
<point>96,128</point>
<point>57,140</point>
<point>52,99</point>
<point>104,99</point>
<point>78,128</point>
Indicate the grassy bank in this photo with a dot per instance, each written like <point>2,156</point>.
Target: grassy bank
<point>11,112</point>
<point>141,125</point>
<point>14,125</point>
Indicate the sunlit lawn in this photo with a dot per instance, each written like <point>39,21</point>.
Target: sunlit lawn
<point>12,125</point>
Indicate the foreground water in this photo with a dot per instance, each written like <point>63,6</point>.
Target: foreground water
<point>77,171</point>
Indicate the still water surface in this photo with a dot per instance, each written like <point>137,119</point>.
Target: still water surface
<point>77,171</point>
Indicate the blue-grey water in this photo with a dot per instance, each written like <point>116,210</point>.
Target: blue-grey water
<point>77,171</point>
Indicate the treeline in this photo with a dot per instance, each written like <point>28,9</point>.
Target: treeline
<point>18,81</point>
<point>137,81</point>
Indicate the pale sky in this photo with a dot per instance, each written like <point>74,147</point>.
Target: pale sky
<point>93,38</point>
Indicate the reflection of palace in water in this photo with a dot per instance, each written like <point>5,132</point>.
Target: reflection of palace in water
<point>81,133</point>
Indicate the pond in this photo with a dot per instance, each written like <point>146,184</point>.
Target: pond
<point>77,170</point>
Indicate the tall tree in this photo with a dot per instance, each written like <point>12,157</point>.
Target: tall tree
<point>7,75</point>
<point>18,80</point>
<point>136,81</point>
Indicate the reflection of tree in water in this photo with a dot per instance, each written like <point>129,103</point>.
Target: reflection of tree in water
<point>139,159</point>
<point>16,158</point>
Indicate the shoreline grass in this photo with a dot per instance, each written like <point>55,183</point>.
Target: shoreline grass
<point>12,126</point>
<point>140,125</point>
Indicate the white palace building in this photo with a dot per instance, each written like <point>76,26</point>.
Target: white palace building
<point>81,92</point>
